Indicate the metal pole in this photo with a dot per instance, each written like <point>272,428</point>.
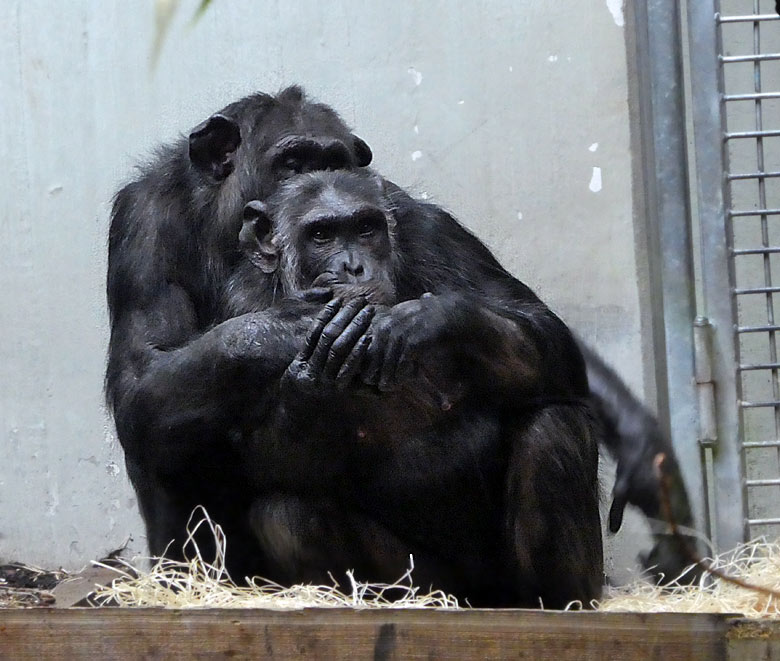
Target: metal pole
<point>665,182</point>
<point>718,279</point>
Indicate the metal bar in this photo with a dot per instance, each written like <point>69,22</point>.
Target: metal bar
<point>761,444</point>
<point>756,290</point>
<point>759,329</point>
<point>751,97</point>
<point>757,57</point>
<point>753,175</point>
<point>729,507</point>
<point>750,18</point>
<point>759,405</point>
<point>759,366</point>
<point>753,134</point>
<point>769,250</point>
<point>665,194</point>
<point>773,482</point>
<point>754,212</point>
<point>762,202</point>
<point>763,522</point>
<point>708,424</point>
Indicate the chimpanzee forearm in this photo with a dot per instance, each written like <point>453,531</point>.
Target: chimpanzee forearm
<point>523,357</point>
<point>188,393</point>
<point>526,355</point>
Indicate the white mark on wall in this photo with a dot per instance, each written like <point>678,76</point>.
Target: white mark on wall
<point>519,215</point>
<point>593,147</point>
<point>616,9</point>
<point>552,58</point>
<point>416,155</point>
<point>461,102</point>
<point>112,469</point>
<point>416,75</point>
<point>416,129</point>
<point>424,195</point>
<point>511,69</point>
<point>595,180</point>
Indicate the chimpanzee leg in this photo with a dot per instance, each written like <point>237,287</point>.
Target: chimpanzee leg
<point>552,512</point>
<point>308,541</point>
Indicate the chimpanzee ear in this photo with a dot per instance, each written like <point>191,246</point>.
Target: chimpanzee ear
<point>213,145</point>
<point>255,237</point>
<point>362,151</point>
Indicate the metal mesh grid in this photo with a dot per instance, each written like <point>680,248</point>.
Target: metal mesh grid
<point>750,61</point>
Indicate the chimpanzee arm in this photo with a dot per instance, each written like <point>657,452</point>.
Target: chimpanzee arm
<point>205,381</point>
<point>526,349</point>
<point>524,358</point>
<point>174,379</point>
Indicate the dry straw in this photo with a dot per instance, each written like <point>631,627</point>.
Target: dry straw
<point>756,563</point>
<point>197,583</point>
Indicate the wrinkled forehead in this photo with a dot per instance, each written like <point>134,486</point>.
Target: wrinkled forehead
<point>328,189</point>
<point>303,119</point>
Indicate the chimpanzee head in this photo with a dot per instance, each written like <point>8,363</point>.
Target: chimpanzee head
<point>325,229</point>
<point>262,140</point>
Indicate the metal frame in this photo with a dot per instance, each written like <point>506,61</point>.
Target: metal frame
<point>662,137</point>
<point>718,279</point>
<point>710,105</point>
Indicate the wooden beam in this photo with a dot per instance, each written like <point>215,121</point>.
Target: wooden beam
<point>110,633</point>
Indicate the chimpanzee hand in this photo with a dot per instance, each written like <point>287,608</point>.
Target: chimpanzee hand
<point>335,347</point>
<point>400,335</point>
<point>315,295</point>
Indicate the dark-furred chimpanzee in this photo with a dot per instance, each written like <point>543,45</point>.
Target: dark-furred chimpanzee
<point>434,424</point>
<point>181,376</point>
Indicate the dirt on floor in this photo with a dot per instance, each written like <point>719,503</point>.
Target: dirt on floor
<point>27,587</point>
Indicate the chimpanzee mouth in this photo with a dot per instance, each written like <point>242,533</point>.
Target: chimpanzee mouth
<point>376,292</point>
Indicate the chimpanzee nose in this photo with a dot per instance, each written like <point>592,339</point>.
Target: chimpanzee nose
<point>353,270</point>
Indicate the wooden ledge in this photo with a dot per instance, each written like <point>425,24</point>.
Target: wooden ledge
<point>113,633</point>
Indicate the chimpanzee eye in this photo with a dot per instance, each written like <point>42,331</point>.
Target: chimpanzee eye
<point>292,163</point>
<point>366,228</point>
<point>322,234</point>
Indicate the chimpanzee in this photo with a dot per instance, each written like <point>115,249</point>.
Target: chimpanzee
<point>182,373</point>
<point>440,420</point>
<point>180,376</point>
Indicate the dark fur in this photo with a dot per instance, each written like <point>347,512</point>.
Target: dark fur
<point>447,465</point>
<point>188,377</point>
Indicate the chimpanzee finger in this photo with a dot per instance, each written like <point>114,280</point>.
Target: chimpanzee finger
<point>346,340</point>
<point>330,333</point>
<point>375,354</point>
<point>325,279</point>
<point>317,295</point>
<point>313,336</point>
<point>353,363</point>
<point>387,379</point>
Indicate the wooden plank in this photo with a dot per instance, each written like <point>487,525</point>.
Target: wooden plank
<point>378,634</point>
<point>753,639</point>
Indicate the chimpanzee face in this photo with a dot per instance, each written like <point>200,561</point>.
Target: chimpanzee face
<point>272,139</point>
<point>323,229</point>
<point>348,245</point>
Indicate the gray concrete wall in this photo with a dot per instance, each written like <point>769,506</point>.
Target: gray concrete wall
<point>512,115</point>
